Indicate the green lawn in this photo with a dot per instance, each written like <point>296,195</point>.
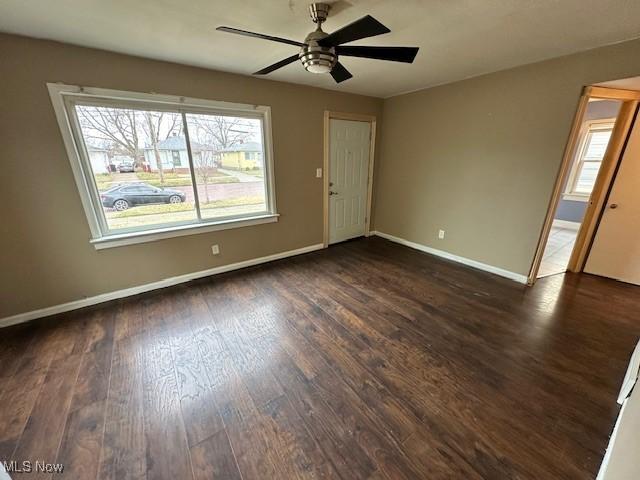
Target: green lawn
<point>256,173</point>
<point>182,179</point>
<point>183,212</point>
<point>108,180</point>
<point>103,180</point>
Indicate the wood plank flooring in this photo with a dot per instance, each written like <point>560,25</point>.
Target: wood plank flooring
<point>364,361</point>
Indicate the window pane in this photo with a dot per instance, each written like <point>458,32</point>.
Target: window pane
<point>139,162</point>
<point>597,142</point>
<point>595,147</point>
<point>228,158</point>
<point>587,177</point>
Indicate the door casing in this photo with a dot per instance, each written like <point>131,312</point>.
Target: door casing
<point>328,115</point>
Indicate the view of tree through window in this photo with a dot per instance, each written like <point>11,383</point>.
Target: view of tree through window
<point>234,142</point>
<point>144,164</point>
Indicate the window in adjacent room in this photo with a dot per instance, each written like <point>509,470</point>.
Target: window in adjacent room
<point>590,155</point>
<point>174,181</point>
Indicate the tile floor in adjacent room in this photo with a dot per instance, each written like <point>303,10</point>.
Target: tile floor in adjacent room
<point>558,250</point>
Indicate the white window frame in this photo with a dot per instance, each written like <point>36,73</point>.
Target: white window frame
<point>588,126</point>
<point>64,97</point>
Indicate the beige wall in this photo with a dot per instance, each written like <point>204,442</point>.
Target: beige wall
<point>478,158</point>
<point>46,258</point>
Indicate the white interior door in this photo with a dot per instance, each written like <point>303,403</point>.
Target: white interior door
<point>349,144</point>
<point>615,252</point>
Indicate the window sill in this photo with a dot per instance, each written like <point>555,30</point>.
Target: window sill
<point>123,239</point>
<point>575,197</point>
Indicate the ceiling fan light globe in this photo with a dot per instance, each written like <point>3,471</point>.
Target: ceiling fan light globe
<point>318,68</point>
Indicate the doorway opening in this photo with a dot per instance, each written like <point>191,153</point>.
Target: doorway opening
<point>598,135</point>
<point>596,127</point>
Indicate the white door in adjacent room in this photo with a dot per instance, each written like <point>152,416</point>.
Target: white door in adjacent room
<point>615,252</point>
<point>349,146</point>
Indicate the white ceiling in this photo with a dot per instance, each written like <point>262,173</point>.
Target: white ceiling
<point>632,83</point>
<point>457,38</point>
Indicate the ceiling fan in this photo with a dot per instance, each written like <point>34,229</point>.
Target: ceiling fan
<point>320,50</point>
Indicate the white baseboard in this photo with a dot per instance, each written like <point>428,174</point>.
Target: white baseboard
<point>167,282</point>
<point>566,224</point>
<point>450,256</point>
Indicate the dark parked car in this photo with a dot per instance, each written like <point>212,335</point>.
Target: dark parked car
<point>126,167</point>
<point>122,197</point>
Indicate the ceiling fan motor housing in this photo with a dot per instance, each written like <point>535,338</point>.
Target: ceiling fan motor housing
<point>319,11</point>
<point>316,58</point>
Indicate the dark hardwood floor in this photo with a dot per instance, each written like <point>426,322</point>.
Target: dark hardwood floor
<point>366,360</point>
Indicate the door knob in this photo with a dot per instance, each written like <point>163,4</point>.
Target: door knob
<point>333,193</point>
<point>613,206</point>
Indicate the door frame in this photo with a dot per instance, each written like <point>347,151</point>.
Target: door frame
<point>356,117</point>
<point>588,227</point>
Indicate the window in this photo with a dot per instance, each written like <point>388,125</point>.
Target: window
<point>176,184</point>
<point>590,155</point>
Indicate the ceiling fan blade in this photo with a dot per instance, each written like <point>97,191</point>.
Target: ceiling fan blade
<point>393,54</point>
<point>339,73</point>
<point>363,28</point>
<point>259,35</point>
<point>277,65</point>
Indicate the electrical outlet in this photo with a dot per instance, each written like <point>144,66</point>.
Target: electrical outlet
<point>215,249</point>
<point>318,173</point>
<point>440,234</point>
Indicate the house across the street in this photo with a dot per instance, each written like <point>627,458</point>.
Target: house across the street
<point>174,156</point>
<point>245,156</point>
